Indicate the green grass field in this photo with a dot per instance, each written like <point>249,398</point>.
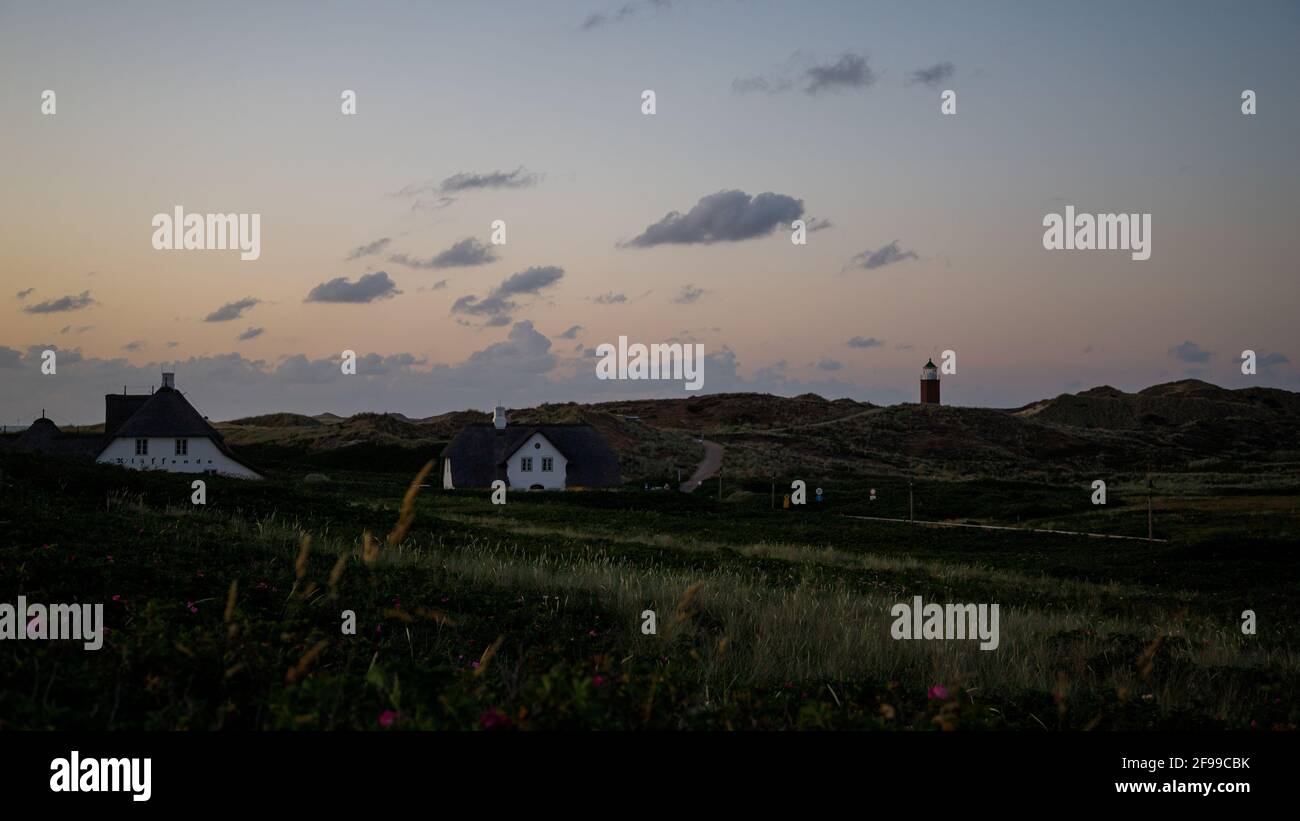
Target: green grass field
<point>529,615</point>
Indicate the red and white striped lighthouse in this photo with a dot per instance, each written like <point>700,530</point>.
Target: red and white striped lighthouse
<point>929,383</point>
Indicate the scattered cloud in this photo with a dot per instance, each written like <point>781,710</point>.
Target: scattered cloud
<point>524,352</point>
<point>172,343</point>
<point>436,205</point>
<point>610,298</point>
<point>133,346</point>
<point>232,310</point>
<point>367,288</point>
<point>1190,352</point>
<point>26,292</point>
<point>251,333</point>
<point>828,364</point>
<point>771,85</point>
<point>865,342</point>
<point>62,304</point>
<point>887,255</point>
<point>572,333</point>
<point>375,364</point>
<point>472,181</point>
<point>469,181</point>
<point>689,294</point>
<point>466,253</point>
<point>366,250</point>
<point>903,346</point>
<point>1272,360</point>
<point>623,12</point>
<point>727,216</point>
<point>845,72</point>
<point>498,306</point>
<point>932,76</point>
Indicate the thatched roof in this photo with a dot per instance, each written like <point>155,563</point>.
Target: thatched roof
<point>166,413</point>
<point>479,454</point>
<point>119,407</point>
<point>45,437</point>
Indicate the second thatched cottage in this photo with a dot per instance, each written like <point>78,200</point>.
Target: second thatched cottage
<point>529,457</point>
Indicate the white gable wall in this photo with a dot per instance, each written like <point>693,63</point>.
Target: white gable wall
<point>202,457</point>
<point>536,448</point>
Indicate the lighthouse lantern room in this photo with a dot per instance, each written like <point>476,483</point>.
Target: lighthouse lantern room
<point>929,384</point>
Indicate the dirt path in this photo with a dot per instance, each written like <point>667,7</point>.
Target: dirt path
<point>708,467</point>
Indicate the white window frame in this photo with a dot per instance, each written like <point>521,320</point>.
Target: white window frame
<point>525,464</point>
<point>548,464</point>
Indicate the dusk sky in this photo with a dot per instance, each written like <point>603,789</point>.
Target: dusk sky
<point>929,227</point>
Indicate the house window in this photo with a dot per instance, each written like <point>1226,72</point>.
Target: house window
<point>548,464</point>
<point>182,447</point>
<point>142,447</point>
<point>526,464</point>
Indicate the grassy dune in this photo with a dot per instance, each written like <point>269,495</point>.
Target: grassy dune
<point>529,615</point>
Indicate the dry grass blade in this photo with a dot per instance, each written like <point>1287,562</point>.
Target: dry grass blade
<point>837,698</point>
<point>230,601</point>
<point>686,608</point>
<point>369,549</point>
<point>298,670</point>
<point>487,655</point>
<point>300,566</point>
<point>407,514</point>
<point>337,573</point>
